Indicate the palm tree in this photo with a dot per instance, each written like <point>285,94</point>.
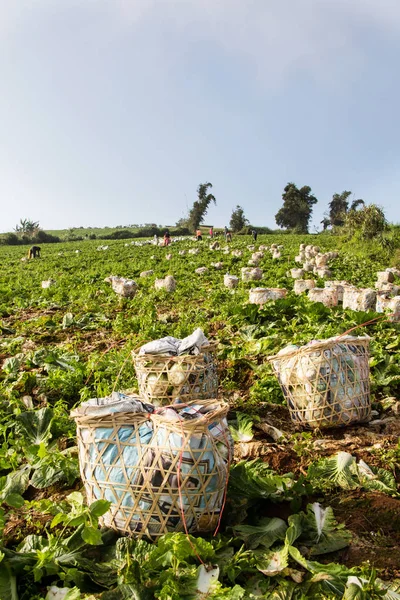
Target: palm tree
<point>356,203</point>
<point>339,209</point>
<point>200,206</point>
<point>27,226</point>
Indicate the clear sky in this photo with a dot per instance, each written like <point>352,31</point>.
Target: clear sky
<point>113,111</point>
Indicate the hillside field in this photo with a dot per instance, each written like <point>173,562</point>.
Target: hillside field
<point>73,341</point>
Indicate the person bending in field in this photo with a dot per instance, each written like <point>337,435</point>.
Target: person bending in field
<point>167,238</point>
<point>228,236</point>
<point>34,252</point>
<point>254,234</point>
<point>199,236</point>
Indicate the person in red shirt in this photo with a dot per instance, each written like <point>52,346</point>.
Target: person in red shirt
<point>211,232</point>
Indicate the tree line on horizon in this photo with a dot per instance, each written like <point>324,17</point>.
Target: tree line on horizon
<point>296,212</point>
<point>293,216</point>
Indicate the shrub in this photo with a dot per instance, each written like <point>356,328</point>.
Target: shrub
<point>260,230</point>
<point>10,239</point>
<point>367,223</point>
<point>45,238</point>
<point>120,234</point>
<point>149,231</point>
<point>40,237</point>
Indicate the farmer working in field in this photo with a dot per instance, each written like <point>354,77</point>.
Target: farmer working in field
<point>167,238</point>
<point>254,234</point>
<point>34,252</point>
<point>199,236</point>
<point>211,232</point>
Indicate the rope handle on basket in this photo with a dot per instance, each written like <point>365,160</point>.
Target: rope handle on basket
<point>384,318</point>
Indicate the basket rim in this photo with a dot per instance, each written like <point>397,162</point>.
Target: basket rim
<point>211,346</point>
<point>128,418</point>
<point>360,340</point>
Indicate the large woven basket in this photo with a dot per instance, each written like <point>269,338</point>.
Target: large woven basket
<point>326,384</point>
<point>159,474</point>
<point>163,379</point>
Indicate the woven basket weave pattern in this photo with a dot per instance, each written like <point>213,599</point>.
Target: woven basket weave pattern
<point>153,469</point>
<point>162,379</point>
<point>327,384</point>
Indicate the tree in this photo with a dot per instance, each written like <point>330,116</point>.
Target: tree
<point>200,206</point>
<point>355,204</point>
<point>339,208</point>
<point>27,226</point>
<point>238,220</point>
<point>297,208</point>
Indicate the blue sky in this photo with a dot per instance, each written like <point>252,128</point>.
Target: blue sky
<point>113,111</point>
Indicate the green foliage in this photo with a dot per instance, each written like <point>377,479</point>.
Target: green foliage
<point>265,533</point>
<point>35,426</point>
<point>254,480</point>
<point>342,471</point>
<point>200,206</point>
<point>368,223</point>
<point>297,209</point>
<point>243,432</point>
<point>10,239</point>
<point>80,515</point>
<point>27,226</point>
<point>8,583</point>
<point>42,237</point>
<point>238,220</point>
<point>320,530</point>
<point>338,207</point>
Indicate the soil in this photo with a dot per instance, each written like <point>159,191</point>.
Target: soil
<point>374,521</point>
<point>373,518</point>
<point>22,522</point>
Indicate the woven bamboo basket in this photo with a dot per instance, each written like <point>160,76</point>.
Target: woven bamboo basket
<point>164,379</point>
<point>160,475</point>
<point>326,384</point>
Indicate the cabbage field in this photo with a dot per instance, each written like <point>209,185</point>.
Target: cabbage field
<point>308,514</point>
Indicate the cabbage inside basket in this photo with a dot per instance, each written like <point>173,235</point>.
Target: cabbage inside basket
<point>163,379</point>
<point>326,382</point>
